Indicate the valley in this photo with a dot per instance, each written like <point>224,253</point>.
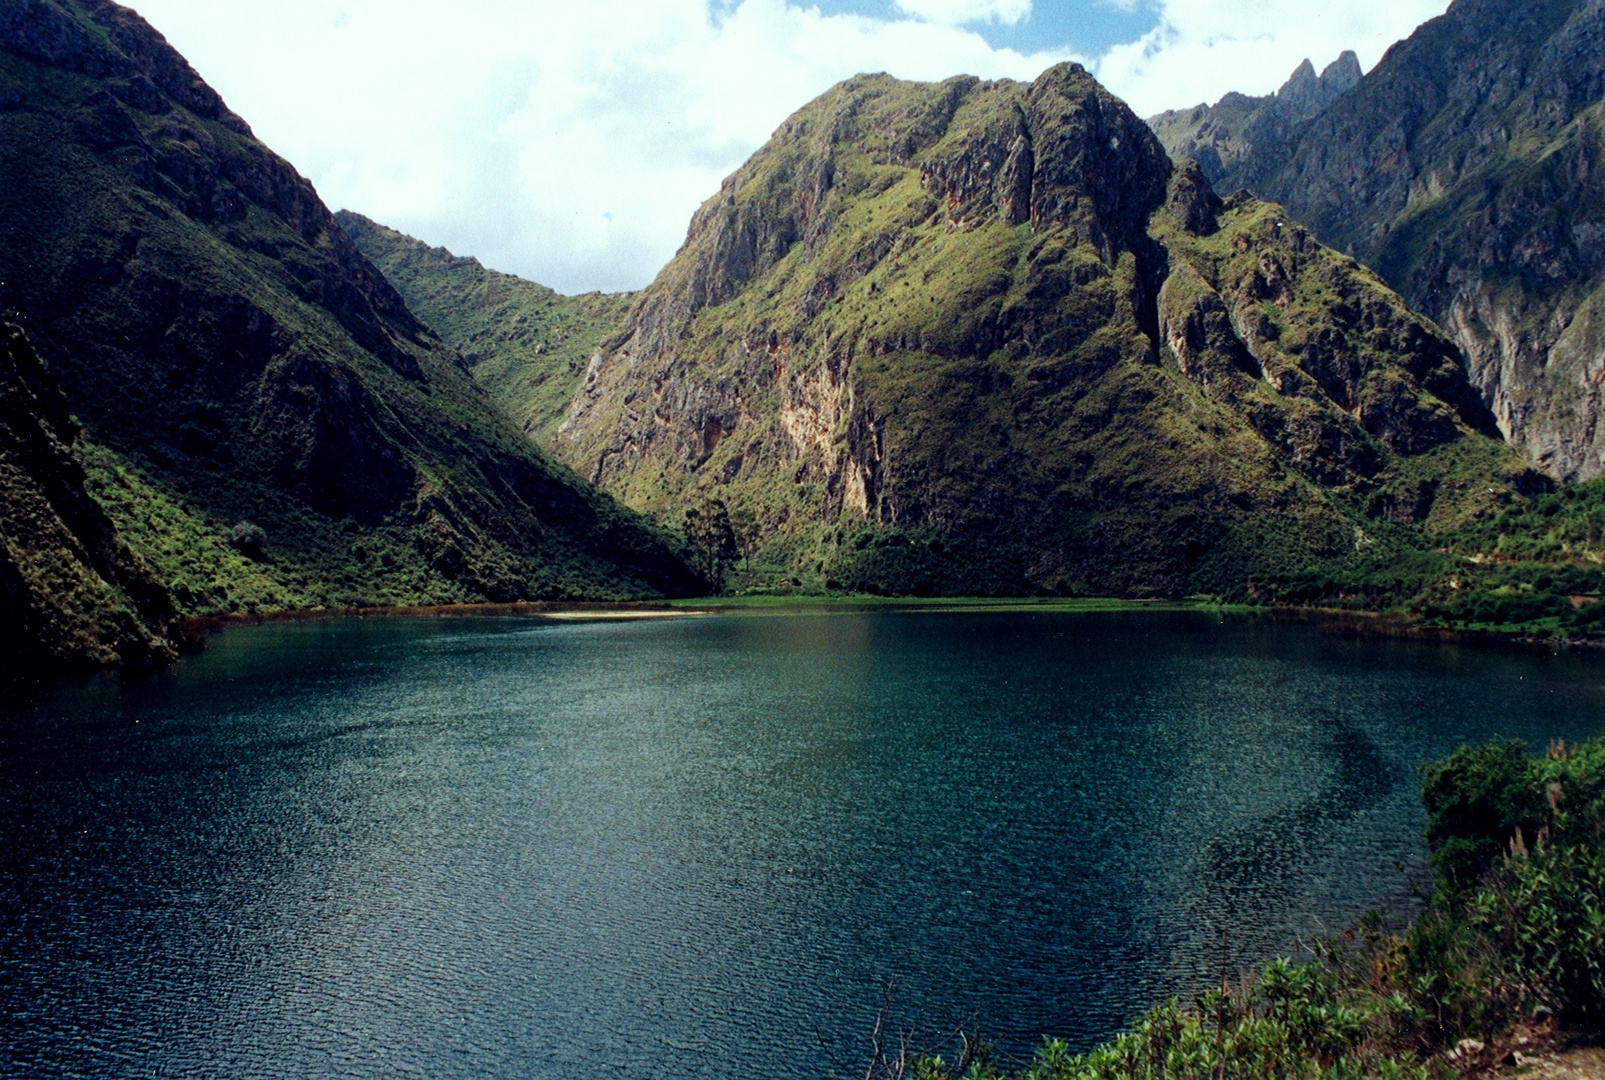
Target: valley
<point>1015,554</point>
<point>958,339</point>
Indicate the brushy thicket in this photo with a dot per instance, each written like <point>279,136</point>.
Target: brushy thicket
<point>1514,932</point>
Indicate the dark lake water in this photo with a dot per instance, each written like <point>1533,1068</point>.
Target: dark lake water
<point>705,847</point>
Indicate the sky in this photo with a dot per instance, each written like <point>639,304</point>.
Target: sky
<point>569,141</point>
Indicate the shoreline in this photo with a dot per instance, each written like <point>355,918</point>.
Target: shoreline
<point>192,633</point>
<point>200,627</point>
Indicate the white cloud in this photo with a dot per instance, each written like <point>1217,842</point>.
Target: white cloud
<point>570,140</point>
<point>1202,49</point>
<point>960,12</point>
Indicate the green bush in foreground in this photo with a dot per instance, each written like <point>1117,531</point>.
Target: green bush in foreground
<point>1516,929</point>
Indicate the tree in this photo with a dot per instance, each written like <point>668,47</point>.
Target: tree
<point>708,529</point>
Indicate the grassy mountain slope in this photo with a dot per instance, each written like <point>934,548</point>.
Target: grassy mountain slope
<point>977,338</point>
<point>526,345</point>
<point>265,419</point>
<point>1468,169</point>
<point>71,590</point>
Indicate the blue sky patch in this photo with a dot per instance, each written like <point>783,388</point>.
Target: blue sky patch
<point>1086,26</point>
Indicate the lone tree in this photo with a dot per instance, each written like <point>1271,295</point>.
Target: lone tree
<point>707,528</point>
<point>744,527</point>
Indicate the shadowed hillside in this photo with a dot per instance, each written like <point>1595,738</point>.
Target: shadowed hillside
<point>526,345</point>
<point>264,419</point>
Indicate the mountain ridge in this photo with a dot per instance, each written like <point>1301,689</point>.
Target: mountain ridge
<point>1466,167</point>
<point>266,421</point>
<point>928,323</point>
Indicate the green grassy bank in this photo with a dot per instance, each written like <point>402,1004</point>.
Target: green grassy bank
<point>1506,960</point>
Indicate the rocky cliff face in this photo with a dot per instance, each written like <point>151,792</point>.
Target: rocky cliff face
<point>1467,168</point>
<point>72,593</point>
<point>977,337</point>
<point>239,365</point>
<point>1224,138</point>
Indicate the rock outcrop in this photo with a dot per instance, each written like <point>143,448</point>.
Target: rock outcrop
<point>235,359</point>
<point>1468,169</point>
<point>982,337</point>
<point>72,593</point>
<point>1225,137</point>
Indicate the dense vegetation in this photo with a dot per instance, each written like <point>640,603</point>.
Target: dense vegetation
<point>1534,567</point>
<point>1509,950</point>
<point>72,592</point>
<point>527,345</point>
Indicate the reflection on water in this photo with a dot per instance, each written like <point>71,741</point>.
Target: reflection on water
<point>704,847</point>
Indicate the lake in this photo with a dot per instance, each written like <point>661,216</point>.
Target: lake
<point>705,847</point>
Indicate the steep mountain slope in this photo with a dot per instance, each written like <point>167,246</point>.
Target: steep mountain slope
<point>526,345</point>
<point>1468,169</point>
<point>265,420</point>
<point>977,337</point>
<point>1225,137</point>
<point>71,591</point>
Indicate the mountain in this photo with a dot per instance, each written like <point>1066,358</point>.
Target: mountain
<point>1224,137</point>
<point>72,592</point>
<point>265,421</point>
<point>983,337</point>
<point>525,344</point>
<point>1468,168</point>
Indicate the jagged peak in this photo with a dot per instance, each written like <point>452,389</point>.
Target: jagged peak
<point>1344,73</point>
<point>1303,76</point>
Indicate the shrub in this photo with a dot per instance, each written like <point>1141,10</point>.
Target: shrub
<point>248,539</point>
<point>1475,801</point>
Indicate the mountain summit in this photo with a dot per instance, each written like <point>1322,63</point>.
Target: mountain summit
<point>984,337</point>
<point>1468,169</point>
